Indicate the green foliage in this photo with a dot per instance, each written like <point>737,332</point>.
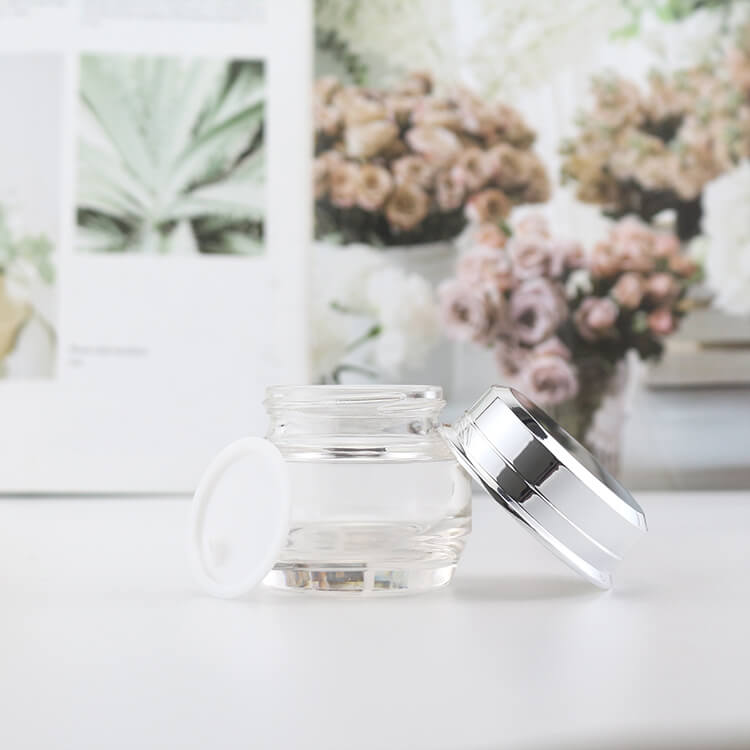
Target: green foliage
<point>36,249</point>
<point>171,156</point>
<point>333,52</point>
<point>668,11</point>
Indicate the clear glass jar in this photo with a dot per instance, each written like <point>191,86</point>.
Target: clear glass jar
<point>379,503</point>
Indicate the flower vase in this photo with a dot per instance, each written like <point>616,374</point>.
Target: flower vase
<point>435,262</point>
<point>596,417</point>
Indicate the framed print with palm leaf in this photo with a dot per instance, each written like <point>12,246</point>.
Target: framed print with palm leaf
<point>155,231</point>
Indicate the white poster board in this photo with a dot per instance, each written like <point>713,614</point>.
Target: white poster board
<point>155,200</point>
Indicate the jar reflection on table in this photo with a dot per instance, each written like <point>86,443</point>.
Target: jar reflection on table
<point>379,503</point>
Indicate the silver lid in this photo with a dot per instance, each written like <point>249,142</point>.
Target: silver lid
<point>548,481</point>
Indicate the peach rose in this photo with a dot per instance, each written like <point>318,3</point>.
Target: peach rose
<point>470,169</point>
<point>509,125</point>
<point>407,207</point>
<point>366,140</point>
<point>359,110</point>
<point>320,177</point>
<point>343,181</point>
<point>327,119</point>
<point>413,169</point>
<point>324,89</point>
<point>417,83</point>
<point>448,192</point>
<point>436,114</point>
<point>661,321</point>
<point>438,145</point>
<point>506,165</point>
<point>487,205</point>
<point>374,187</point>
<point>399,107</point>
<point>537,188</point>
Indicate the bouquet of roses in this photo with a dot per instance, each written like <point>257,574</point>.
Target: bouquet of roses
<point>559,319</point>
<point>644,151</point>
<point>405,165</point>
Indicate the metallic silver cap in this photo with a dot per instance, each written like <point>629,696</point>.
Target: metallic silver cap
<point>548,481</point>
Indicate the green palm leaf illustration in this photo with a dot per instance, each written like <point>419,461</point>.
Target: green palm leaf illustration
<point>171,155</point>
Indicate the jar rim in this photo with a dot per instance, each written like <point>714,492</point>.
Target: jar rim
<point>378,396</point>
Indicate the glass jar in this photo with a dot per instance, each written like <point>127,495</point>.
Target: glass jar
<point>378,501</point>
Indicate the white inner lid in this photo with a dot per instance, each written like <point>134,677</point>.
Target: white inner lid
<point>239,519</point>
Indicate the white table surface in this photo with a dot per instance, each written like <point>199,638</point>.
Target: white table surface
<point>104,642</point>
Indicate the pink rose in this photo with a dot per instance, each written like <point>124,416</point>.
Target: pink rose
<point>530,255</point>
<point>628,291</point>
<point>448,192</point>
<point>471,312</point>
<point>566,255</point>
<point>485,265</point>
<point>603,261</point>
<point>489,235</point>
<point>666,245</point>
<point>634,256</point>
<point>552,346</point>
<point>532,224</point>
<point>595,318</point>
<point>510,357</point>
<point>632,241</point>
<point>682,266</point>
<point>548,379</point>
<point>489,205</point>
<point>537,308</point>
<point>661,321</point>
<point>631,228</point>
<point>661,287</point>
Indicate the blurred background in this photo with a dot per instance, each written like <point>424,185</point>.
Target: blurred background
<point>548,195</point>
<point>551,195</point>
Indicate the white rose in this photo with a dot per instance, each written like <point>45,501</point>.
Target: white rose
<point>726,226</point>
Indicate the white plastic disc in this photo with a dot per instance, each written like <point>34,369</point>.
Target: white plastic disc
<point>239,519</point>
